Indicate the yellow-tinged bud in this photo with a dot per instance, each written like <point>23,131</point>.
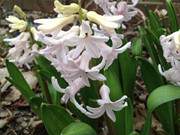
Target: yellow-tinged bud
<point>34,33</point>
<point>108,22</point>
<point>19,11</point>
<point>66,9</point>
<point>177,39</point>
<point>50,25</point>
<point>16,24</point>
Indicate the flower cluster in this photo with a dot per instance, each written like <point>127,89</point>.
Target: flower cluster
<point>22,51</point>
<point>171,49</point>
<point>73,41</point>
<point>121,8</point>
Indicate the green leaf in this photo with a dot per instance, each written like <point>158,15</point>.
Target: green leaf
<point>17,79</point>
<point>155,24</point>
<point>47,70</point>
<point>55,118</point>
<point>55,95</point>
<point>172,16</point>
<point>44,88</point>
<point>78,128</point>
<point>147,40</point>
<point>152,80</point>
<point>137,47</point>
<point>128,68</point>
<point>162,95</point>
<point>35,103</point>
<point>114,83</point>
<point>158,97</point>
<point>151,77</point>
<point>128,117</point>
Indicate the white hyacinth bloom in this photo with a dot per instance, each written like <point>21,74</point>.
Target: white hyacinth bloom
<point>118,8</point>
<point>16,24</point>
<point>171,52</point>
<point>106,105</point>
<point>172,75</point>
<point>105,5</point>
<point>22,53</point>
<point>79,69</point>
<point>57,46</point>
<point>171,46</point>
<point>73,52</point>
<point>127,11</point>
<point>94,45</point>
<point>70,91</point>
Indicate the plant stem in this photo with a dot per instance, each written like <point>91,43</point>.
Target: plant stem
<point>111,129</point>
<point>178,116</point>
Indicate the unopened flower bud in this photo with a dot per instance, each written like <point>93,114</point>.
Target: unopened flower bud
<point>66,9</point>
<point>105,21</point>
<point>19,11</point>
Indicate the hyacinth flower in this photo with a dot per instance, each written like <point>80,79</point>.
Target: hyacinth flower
<point>171,46</point>
<point>105,5</point>
<point>172,75</point>
<point>22,51</point>
<point>128,11</point>
<point>106,105</point>
<point>72,40</point>
<point>171,52</point>
<point>119,8</point>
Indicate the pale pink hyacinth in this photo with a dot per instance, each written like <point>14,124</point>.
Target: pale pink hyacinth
<point>22,53</point>
<point>171,52</point>
<point>73,49</point>
<point>126,10</point>
<point>172,75</point>
<point>171,46</point>
<point>106,105</point>
<point>119,8</point>
<point>105,5</point>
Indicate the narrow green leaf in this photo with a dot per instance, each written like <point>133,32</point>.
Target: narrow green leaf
<point>155,24</point>
<point>55,95</point>
<point>147,40</point>
<point>78,128</point>
<point>151,77</point>
<point>162,95</point>
<point>55,118</point>
<point>35,103</point>
<point>47,70</point>
<point>17,79</point>
<point>129,117</point>
<point>158,97</point>
<point>128,68</point>
<point>137,47</point>
<point>172,16</point>
<point>114,83</point>
<point>152,80</point>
